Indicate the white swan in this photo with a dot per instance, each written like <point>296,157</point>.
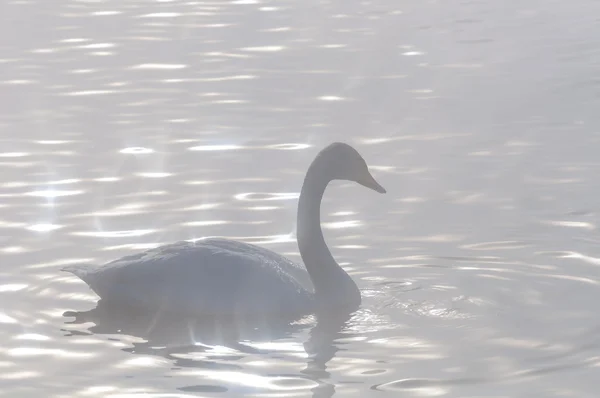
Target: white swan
<point>224,277</point>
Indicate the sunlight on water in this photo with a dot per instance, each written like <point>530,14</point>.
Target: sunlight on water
<point>143,362</point>
<point>15,287</point>
<point>36,352</point>
<point>262,208</point>
<point>53,193</point>
<point>107,179</point>
<point>342,224</point>
<point>161,15</point>
<point>63,182</point>
<point>215,148</point>
<point>255,196</point>
<point>90,93</point>
<point>20,375</point>
<point>13,249</point>
<point>264,49</point>
<point>32,336</point>
<point>205,223</point>
<point>154,175</point>
<point>573,224</point>
<point>412,53</point>
<point>106,13</point>
<point>343,213</point>
<point>18,82</point>
<point>205,206</point>
<point>82,71</point>
<point>289,146</point>
<point>6,319</point>
<point>8,224</point>
<point>97,45</point>
<point>133,246</point>
<point>160,66</point>
<point>137,151</point>
<point>74,40</point>
<point>116,234</point>
<point>249,380</point>
<point>330,98</point>
<point>44,227</point>
<point>14,185</point>
<point>13,154</point>
<point>416,387</point>
<point>198,182</point>
<point>280,346</point>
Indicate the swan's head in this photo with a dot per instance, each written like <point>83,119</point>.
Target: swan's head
<point>342,162</point>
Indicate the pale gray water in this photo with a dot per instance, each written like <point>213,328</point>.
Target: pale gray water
<point>479,267</point>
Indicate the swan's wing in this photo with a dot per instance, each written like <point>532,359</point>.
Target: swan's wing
<point>205,276</point>
<point>295,270</point>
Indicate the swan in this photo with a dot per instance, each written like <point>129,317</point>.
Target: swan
<point>217,276</point>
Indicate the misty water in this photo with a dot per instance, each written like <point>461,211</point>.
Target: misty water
<point>126,125</point>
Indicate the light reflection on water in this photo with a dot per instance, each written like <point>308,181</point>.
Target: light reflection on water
<point>129,126</point>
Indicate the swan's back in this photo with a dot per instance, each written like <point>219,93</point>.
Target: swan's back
<point>212,276</point>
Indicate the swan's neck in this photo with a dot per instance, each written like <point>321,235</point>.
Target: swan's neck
<point>330,281</point>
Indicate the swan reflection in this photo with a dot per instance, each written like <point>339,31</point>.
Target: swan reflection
<point>209,345</point>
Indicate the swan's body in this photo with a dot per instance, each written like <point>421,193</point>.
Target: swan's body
<point>225,277</point>
<point>209,276</point>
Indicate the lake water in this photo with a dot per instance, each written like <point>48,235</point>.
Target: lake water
<point>125,125</point>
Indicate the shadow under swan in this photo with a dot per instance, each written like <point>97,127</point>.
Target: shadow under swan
<point>173,337</point>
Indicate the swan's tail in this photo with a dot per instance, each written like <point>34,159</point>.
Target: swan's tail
<point>79,270</point>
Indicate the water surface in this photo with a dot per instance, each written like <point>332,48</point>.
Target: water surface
<point>125,126</point>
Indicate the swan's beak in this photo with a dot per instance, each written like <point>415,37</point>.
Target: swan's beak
<point>368,181</point>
